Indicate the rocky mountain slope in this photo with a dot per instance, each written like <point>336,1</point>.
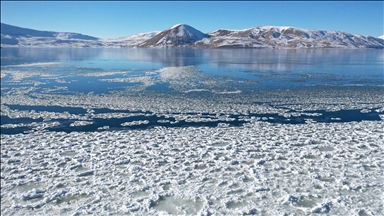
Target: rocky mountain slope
<point>185,36</point>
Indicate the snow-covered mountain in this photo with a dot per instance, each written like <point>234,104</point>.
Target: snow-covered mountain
<point>182,35</point>
<point>12,35</point>
<point>129,41</point>
<point>382,37</point>
<point>288,37</point>
<point>179,35</point>
<point>185,36</point>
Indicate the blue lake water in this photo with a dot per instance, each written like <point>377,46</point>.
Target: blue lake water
<point>102,71</point>
<point>115,123</point>
<point>272,68</point>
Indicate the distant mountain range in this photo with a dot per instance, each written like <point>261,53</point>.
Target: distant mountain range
<point>16,36</point>
<point>185,36</point>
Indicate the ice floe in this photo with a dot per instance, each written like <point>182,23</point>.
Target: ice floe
<point>39,64</point>
<point>135,123</point>
<point>80,123</point>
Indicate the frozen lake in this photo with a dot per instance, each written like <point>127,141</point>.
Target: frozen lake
<point>179,73</point>
<point>191,131</point>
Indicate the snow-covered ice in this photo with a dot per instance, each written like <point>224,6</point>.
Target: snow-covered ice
<point>260,168</point>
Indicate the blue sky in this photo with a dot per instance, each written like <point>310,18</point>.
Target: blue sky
<point>118,19</point>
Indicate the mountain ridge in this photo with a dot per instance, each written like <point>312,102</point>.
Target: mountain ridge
<point>185,36</point>
<point>292,37</point>
<point>9,29</point>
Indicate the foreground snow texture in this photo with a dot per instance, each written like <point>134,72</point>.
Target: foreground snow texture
<point>260,168</point>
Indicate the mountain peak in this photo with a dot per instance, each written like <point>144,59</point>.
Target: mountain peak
<point>179,25</point>
<point>179,35</point>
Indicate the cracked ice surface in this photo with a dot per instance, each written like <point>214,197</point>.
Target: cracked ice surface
<point>259,168</point>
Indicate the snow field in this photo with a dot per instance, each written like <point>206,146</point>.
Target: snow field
<point>259,168</point>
